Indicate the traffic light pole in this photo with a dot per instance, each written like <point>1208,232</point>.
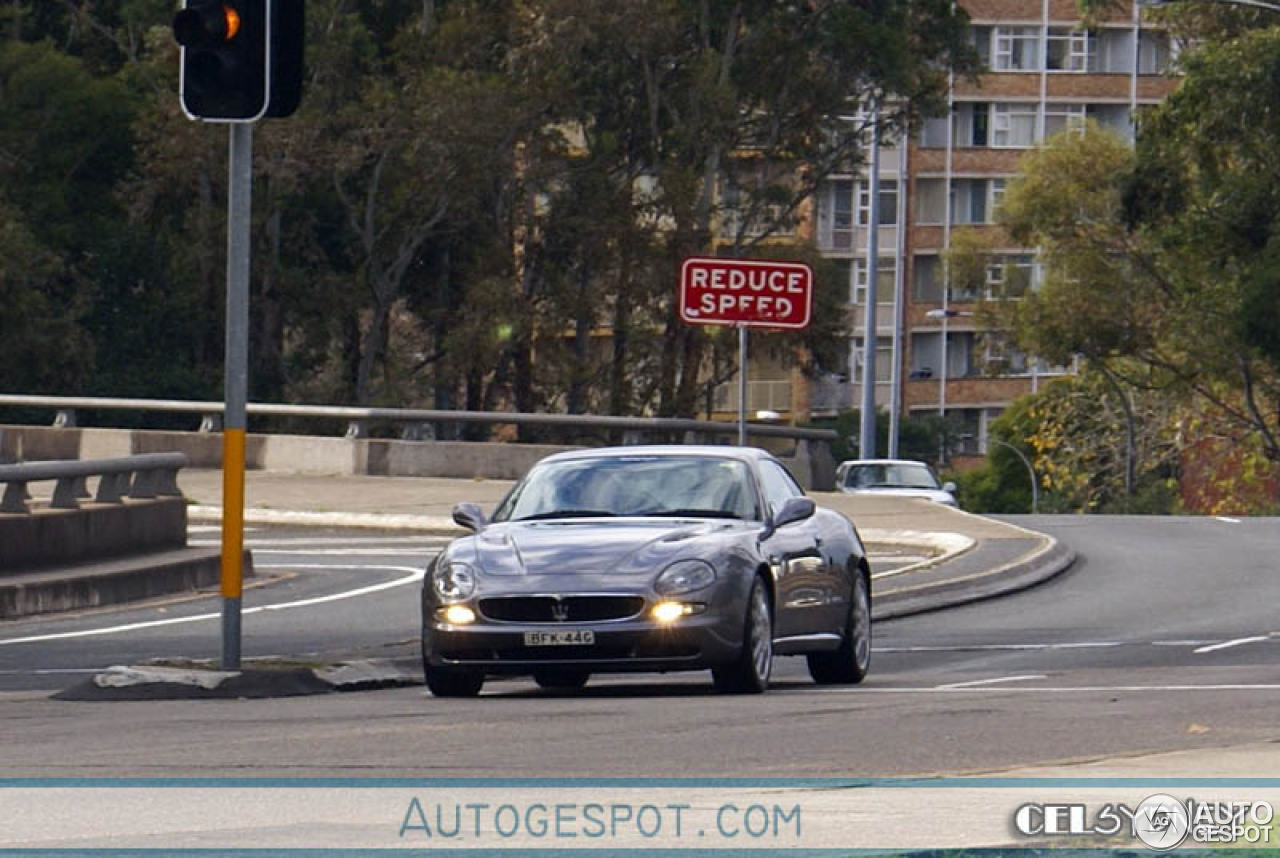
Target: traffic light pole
<point>239,190</point>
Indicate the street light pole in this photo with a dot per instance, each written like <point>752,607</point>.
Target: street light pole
<point>1035,486</point>
<point>867,427</point>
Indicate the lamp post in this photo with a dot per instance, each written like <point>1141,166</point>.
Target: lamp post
<point>1035,486</point>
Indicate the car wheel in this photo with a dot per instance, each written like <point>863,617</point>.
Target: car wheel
<point>452,682</point>
<point>562,681</point>
<point>749,673</point>
<point>850,663</point>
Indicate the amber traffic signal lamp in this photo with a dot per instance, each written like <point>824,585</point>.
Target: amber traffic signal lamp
<point>241,59</point>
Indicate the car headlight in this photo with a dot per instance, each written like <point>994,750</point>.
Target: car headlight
<point>684,576</point>
<point>453,581</point>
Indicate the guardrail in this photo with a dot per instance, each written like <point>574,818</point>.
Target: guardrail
<point>634,428</point>
<point>144,476</point>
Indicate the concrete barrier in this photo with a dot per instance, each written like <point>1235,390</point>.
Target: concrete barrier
<point>811,462</point>
<point>49,537</point>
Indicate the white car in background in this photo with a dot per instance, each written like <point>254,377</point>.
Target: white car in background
<point>895,478</point>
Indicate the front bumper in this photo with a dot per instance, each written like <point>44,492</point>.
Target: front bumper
<point>690,643</point>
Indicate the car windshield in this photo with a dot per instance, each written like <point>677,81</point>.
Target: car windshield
<point>891,475</point>
<point>681,486</point>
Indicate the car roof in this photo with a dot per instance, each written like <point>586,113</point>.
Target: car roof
<point>883,462</point>
<point>744,454</point>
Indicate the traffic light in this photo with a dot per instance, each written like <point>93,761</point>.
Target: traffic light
<point>241,59</point>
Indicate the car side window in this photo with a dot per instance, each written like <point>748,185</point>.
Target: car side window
<point>778,485</point>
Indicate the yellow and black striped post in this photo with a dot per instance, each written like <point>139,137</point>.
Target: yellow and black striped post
<point>236,380</point>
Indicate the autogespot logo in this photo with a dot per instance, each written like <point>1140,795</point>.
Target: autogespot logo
<point>1161,822</point>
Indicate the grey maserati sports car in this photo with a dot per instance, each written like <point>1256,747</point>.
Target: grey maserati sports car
<point>648,559</point>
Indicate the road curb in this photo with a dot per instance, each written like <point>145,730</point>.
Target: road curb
<point>265,679</point>
<point>1048,561</point>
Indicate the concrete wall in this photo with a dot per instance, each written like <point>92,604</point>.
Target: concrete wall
<point>812,463</point>
<point>52,537</point>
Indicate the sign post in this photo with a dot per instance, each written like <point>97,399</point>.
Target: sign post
<point>745,293</point>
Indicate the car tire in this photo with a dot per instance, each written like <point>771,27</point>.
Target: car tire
<point>451,681</point>
<point>849,664</point>
<point>749,672</point>
<point>563,681</point>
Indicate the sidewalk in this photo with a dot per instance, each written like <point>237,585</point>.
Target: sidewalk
<point>967,557</point>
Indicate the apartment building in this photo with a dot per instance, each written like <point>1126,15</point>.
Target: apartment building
<point>1046,73</point>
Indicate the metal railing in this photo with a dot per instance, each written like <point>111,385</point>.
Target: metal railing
<point>634,428</point>
<point>145,476</point>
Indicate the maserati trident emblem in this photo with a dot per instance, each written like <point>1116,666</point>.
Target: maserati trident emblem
<point>559,610</point>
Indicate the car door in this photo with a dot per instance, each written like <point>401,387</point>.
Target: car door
<point>802,582</point>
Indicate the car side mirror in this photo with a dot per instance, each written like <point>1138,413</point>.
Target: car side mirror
<point>949,486</point>
<point>470,516</point>
<point>794,509</point>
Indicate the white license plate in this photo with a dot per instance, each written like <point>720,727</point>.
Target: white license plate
<point>580,637</point>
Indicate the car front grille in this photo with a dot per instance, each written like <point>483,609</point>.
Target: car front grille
<point>620,651</point>
<point>562,609</point>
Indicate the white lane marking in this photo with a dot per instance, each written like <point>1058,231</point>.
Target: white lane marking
<point>1032,647</point>
<point>1039,689</point>
<point>1227,519</point>
<point>996,681</point>
<point>413,576</point>
<point>1181,643</point>
<point>40,671</point>
<point>1229,644</point>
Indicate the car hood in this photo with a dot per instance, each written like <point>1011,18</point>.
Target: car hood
<point>594,546</point>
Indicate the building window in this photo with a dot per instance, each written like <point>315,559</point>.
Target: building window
<point>1001,357</point>
<point>974,201</point>
<point>1155,52</point>
<point>885,276</point>
<point>1063,117</point>
<point>1113,117</point>
<point>835,215</point>
<point>997,194</point>
<point>1070,50</point>
<point>1011,276</point>
<point>981,37</point>
<point>931,201</point>
<point>884,359</point>
<point>1013,125</point>
<point>927,277</point>
<point>888,203</point>
<point>933,132</point>
<point>1114,51</point>
<point>1017,49</point>
<point>972,124</point>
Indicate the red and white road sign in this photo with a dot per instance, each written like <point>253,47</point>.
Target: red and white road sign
<point>745,292</point>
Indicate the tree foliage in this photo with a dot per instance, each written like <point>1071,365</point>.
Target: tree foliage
<point>480,204</point>
<point>1150,272</point>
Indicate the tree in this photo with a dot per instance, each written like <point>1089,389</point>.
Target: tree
<point>1137,279</point>
<point>64,142</point>
<point>719,120</point>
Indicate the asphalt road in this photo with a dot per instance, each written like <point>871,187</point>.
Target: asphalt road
<point>1163,636</point>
